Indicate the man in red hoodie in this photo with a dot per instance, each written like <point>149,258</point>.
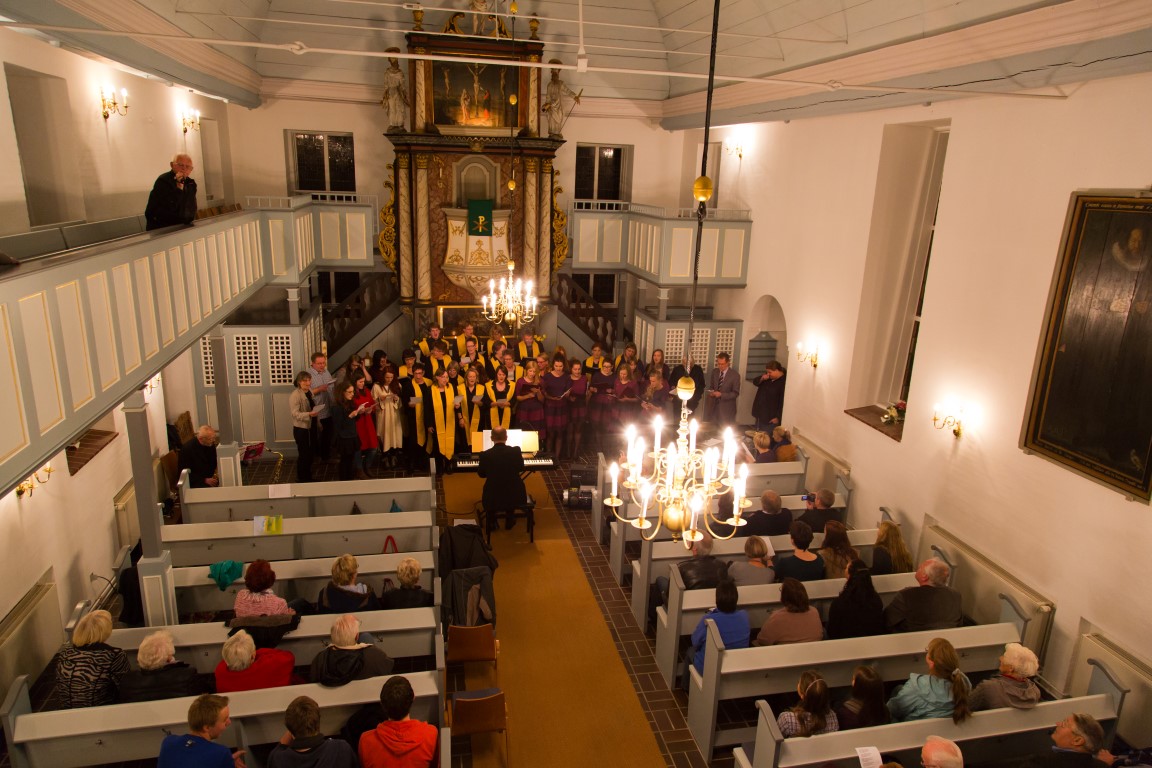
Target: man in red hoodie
<point>399,741</point>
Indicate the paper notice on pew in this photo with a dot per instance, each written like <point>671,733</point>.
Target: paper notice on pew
<point>869,757</point>
<point>280,491</point>
<point>267,524</point>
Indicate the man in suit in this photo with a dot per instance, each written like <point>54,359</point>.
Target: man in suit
<point>500,466</point>
<point>723,390</point>
<point>931,605</point>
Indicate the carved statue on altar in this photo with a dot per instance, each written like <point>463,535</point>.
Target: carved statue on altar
<point>395,101</point>
<point>553,105</point>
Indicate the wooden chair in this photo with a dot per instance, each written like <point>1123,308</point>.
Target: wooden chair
<point>484,711</point>
<point>472,644</point>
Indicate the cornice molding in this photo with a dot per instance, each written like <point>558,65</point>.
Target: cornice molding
<point>132,16</point>
<point>1071,23</point>
<point>316,90</point>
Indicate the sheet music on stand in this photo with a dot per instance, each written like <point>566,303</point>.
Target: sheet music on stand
<point>528,441</point>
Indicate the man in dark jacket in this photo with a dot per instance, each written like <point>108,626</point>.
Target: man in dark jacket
<point>770,520</point>
<point>348,658</point>
<point>768,407</point>
<point>701,571</point>
<point>173,197</point>
<point>1077,742</point>
<point>932,605</point>
<point>500,466</point>
<point>198,456</point>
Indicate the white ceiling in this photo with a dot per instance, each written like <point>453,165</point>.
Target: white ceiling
<point>776,59</point>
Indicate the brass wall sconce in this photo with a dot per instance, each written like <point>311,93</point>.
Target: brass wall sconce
<point>812,357</point>
<point>108,104</point>
<point>734,148</point>
<point>945,421</point>
<point>190,119</point>
<point>153,383</point>
<point>32,482</point>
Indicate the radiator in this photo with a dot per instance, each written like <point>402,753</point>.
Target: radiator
<point>981,581</point>
<point>128,514</point>
<point>1135,725</point>
<point>30,635</point>
<point>823,467</point>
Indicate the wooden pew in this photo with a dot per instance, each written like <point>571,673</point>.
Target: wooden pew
<point>686,607</point>
<point>658,557</point>
<point>196,591</point>
<point>243,502</point>
<point>621,533</point>
<point>303,537</point>
<point>117,733</point>
<point>991,735</point>
<point>743,672</point>
<point>401,633</point>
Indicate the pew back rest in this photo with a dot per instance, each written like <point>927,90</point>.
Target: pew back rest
<point>303,538</point>
<point>784,477</point>
<point>121,732</point>
<point>27,245</point>
<point>401,633</point>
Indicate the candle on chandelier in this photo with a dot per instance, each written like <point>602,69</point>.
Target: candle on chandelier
<point>692,427</point>
<point>614,471</point>
<point>645,496</point>
<point>671,466</point>
<point>658,427</point>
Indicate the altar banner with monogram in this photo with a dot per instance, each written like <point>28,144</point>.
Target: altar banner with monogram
<point>473,256</point>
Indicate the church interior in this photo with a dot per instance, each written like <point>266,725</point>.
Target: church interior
<point>854,231</point>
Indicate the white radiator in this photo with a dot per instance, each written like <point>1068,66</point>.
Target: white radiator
<point>127,513</point>
<point>1135,725</point>
<point>30,635</point>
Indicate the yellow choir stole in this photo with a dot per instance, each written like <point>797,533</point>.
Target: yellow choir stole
<point>470,410</point>
<point>444,424</point>
<point>501,417</point>
<point>418,390</point>
<point>526,353</point>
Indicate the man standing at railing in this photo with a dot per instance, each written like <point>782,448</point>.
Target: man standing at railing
<point>173,198</point>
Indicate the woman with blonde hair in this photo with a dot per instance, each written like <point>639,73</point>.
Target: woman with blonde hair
<point>782,445</point>
<point>943,692</point>
<point>410,594</point>
<point>836,550</point>
<point>890,555</point>
<point>88,669</point>
<point>813,713</point>
<point>344,594</point>
<point>757,569</point>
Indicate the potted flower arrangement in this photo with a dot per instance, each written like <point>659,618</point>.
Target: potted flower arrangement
<point>895,413</point>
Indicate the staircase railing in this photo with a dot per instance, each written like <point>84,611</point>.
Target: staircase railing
<point>588,314</point>
<point>344,320</point>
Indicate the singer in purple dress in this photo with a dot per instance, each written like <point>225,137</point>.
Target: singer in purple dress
<point>627,398</point>
<point>530,401</point>
<point>556,385</point>
<point>602,405</point>
<point>577,406</point>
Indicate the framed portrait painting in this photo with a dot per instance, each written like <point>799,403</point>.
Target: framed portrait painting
<point>1091,405</point>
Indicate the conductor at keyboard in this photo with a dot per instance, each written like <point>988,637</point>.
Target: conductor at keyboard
<point>504,491</point>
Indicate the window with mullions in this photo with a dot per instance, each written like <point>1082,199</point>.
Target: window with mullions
<point>603,172</point>
<point>322,162</point>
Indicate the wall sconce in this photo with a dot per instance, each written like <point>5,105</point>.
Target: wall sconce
<point>807,357</point>
<point>734,148</point>
<point>108,104</point>
<point>946,420</point>
<point>153,383</point>
<point>30,484</point>
<point>190,119</point>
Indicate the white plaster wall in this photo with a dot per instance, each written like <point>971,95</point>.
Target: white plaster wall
<point>118,159</point>
<point>69,524</point>
<point>655,159</point>
<point>1010,169</point>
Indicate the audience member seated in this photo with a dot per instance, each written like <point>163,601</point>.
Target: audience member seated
<point>813,713</point>
<point>836,550</point>
<point>1077,742</point>
<point>754,570</point>
<point>732,623</point>
<point>941,753</point>
<point>782,447</point>
<point>346,658</point>
<point>801,565</point>
<point>303,746</point>
<point>87,669</point>
<point>890,554</point>
<point>819,509</point>
<point>762,452</point>
<point>160,676</point>
<point>344,594</point>
<point>865,707</point>
<point>208,717</point>
<point>858,610</point>
<point>410,594</point>
<point>245,667</point>
<point>943,692</point>
<point>931,605</point>
<point>796,622</point>
<point>198,456</point>
<point>769,520</point>
<point>1013,686</point>
<point>399,741</point>
<point>257,597</point>
<point>701,571</point>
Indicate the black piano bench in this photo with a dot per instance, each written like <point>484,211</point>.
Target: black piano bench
<point>527,510</point>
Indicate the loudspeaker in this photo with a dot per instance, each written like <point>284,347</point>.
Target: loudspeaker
<point>582,474</point>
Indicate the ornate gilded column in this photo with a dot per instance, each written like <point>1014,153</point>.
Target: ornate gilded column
<point>423,236</point>
<point>531,220</point>
<point>404,215</point>
<point>533,98</point>
<point>544,268</point>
